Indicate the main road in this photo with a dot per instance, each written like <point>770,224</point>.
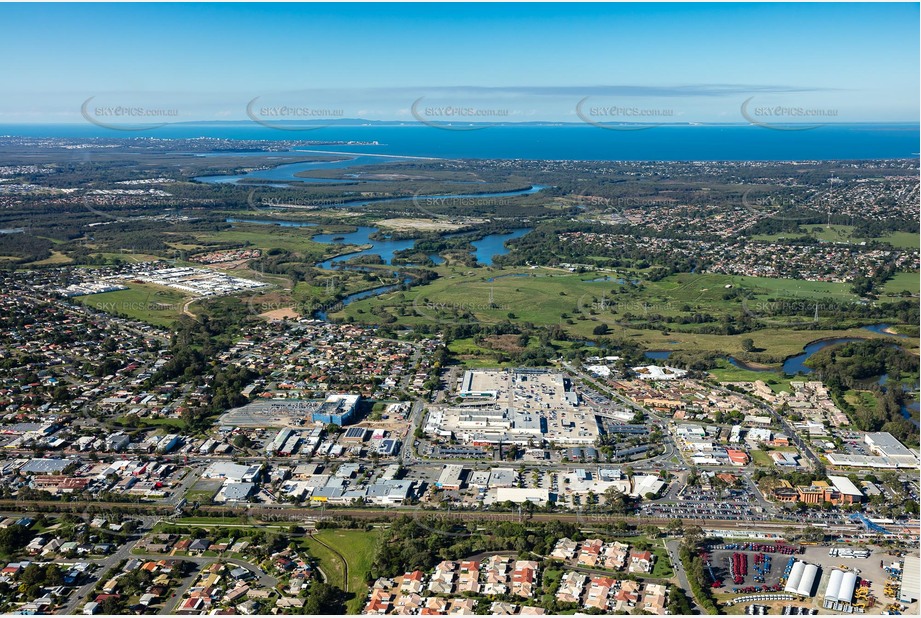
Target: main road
<point>671,548</point>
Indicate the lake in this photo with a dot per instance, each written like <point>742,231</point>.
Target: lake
<point>485,249</point>
<point>362,236</point>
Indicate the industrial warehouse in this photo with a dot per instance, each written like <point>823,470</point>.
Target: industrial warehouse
<point>840,590</point>
<point>802,579</point>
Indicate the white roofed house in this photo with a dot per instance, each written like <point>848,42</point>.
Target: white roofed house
<point>615,555</point>
<point>564,549</point>
<point>496,573</point>
<point>442,581</point>
<point>572,585</point>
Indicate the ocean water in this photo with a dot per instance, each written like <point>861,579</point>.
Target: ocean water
<point>565,142</point>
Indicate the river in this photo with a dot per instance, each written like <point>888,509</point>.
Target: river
<point>796,364</point>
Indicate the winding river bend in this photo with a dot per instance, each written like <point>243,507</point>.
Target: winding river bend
<point>484,249</point>
<point>797,364</point>
<point>288,172</point>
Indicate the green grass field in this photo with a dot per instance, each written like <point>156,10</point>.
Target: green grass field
<point>56,259</point>
<point>724,372</point>
<point>296,240</point>
<point>358,548</point>
<point>761,458</point>
<point>662,567</point>
<point>842,234</point>
<point>910,282</point>
<point>547,296</point>
<point>203,491</point>
<point>860,399</point>
<point>148,303</point>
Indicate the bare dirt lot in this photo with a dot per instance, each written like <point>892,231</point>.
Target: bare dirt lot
<point>419,224</point>
<point>280,314</point>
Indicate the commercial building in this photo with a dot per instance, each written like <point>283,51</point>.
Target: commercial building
<point>520,495</point>
<point>475,384</point>
<point>290,446</point>
<point>789,460</point>
<point>516,406</point>
<point>390,492</point>
<point>646,484</point>
<point>45,466</point>
<point>887,454</point>
<point>654,372</point>
<point>850,493</point>
<point>168,443</point>
<point>279,441</point>
<point>355,434</point>
<point>796,574</point>
<point>235,492</point>
<point>502,477</point>
<point>884,444</point>
<point>869,461</point>
<point>736,457</point>
<point>388,448</point>
<point>337,409</point>
<point>232,472</point>
<point>452,477</point>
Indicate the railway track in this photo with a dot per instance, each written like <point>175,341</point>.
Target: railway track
<point>294,514</point>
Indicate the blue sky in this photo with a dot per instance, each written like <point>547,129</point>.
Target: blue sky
<point>681,62</point>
